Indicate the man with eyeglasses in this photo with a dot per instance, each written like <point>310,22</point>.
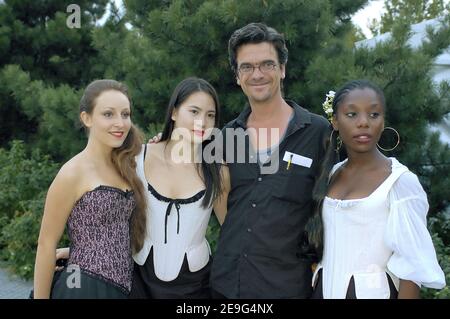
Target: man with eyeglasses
<point>260,253</point>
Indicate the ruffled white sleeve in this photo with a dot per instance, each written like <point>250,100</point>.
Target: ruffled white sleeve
<point>414,256</point>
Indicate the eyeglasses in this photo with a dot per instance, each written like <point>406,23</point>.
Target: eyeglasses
<point>264,67</point>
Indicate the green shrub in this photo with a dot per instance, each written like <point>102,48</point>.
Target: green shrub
<point>440,229</point>
<point>25,179</point>
<point>212,233</point>
<point>22,176</point>
<point>19,237</point>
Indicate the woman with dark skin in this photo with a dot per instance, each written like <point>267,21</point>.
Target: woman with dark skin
<point>370,225</point>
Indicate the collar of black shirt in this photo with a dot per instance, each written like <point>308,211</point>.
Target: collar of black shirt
<point>302,117</point>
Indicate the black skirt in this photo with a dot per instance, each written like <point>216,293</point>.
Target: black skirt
<point>188,285</point>
<point>351,292</point>
<point>88,287</point>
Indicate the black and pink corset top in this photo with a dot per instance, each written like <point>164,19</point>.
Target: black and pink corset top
<point>99,233</point>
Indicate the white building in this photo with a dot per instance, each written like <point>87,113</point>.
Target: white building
<point>441,66</point>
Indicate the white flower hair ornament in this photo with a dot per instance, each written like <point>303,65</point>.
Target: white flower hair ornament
<point>328,105</point>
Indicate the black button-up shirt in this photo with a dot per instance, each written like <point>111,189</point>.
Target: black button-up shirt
<point>259,249</point>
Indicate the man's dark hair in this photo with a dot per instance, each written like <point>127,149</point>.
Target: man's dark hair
<point>256,33</point>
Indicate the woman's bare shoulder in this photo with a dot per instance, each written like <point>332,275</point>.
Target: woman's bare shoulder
<point>74,171</point>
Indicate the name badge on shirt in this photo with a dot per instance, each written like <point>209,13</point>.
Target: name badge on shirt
<point>297,159</point>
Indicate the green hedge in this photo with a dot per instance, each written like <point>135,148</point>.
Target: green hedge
<point>25,177</point>
<point>440,229</point>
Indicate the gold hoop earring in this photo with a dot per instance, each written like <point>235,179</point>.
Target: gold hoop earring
<point>338,141</point>
<point>398,140</point>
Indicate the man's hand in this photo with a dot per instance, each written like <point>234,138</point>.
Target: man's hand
<point>155,139</point>
<point>61,253</point>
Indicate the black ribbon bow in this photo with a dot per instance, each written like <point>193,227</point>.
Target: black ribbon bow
<point>169,209</point>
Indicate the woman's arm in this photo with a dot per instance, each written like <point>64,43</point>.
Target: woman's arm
<point>414,257</point>
<point>408,290</point>
<point>220,204</point>
<point>58,205</point>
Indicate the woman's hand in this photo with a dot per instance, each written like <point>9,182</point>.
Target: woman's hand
<point>155,139</point>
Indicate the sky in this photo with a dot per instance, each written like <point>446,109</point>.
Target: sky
<point>373,10</point>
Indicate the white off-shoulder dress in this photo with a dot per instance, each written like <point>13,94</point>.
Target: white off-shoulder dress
<point>383,234</point>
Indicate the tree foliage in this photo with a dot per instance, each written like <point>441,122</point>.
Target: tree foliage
<point>152,45</point>
<point>411,11</point>
<point>34,37</point>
